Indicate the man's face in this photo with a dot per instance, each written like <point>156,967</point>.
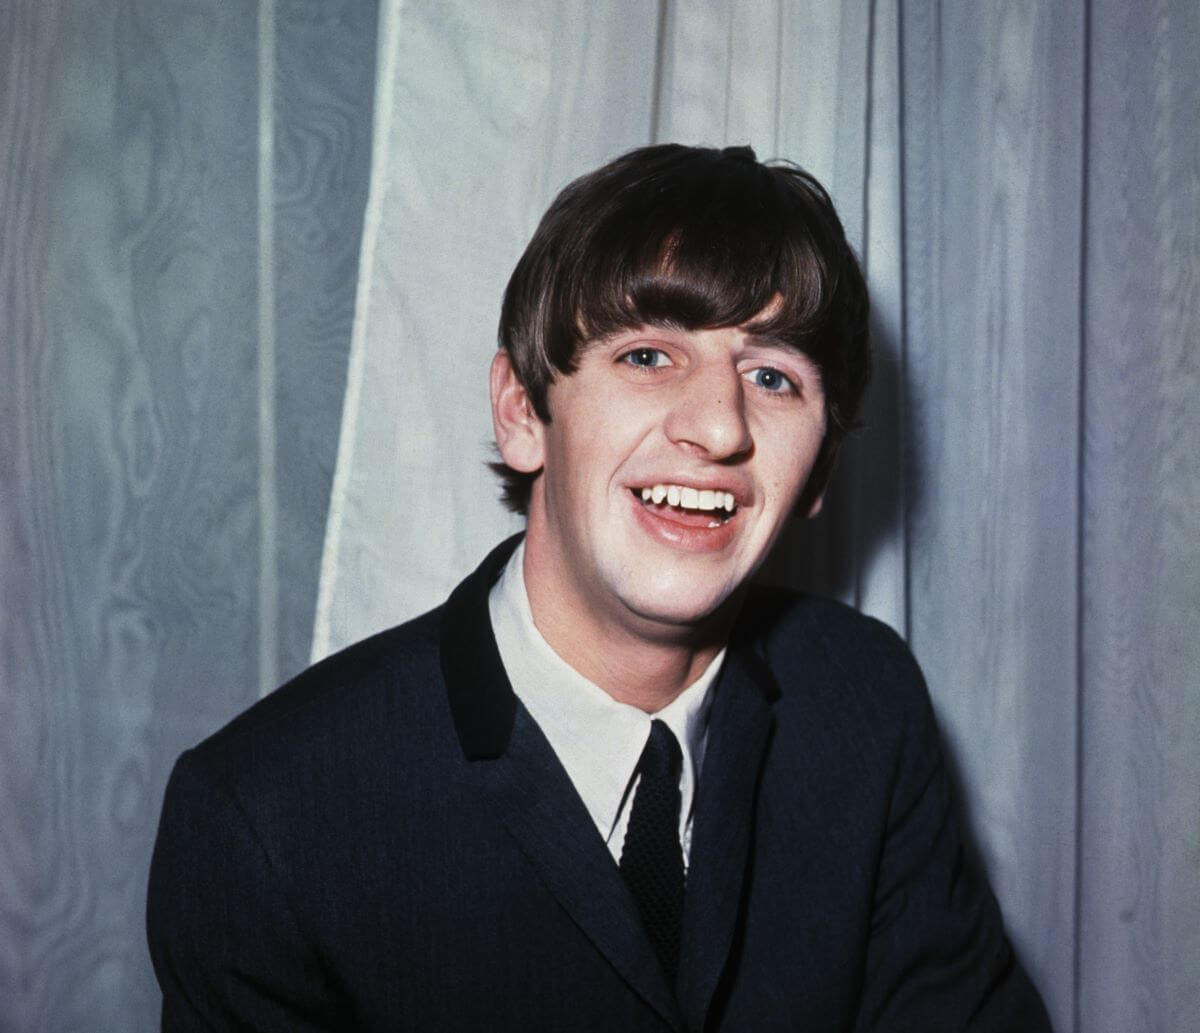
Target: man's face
<point>700,421</point>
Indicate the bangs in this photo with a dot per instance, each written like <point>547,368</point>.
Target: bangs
<point>712,251</point>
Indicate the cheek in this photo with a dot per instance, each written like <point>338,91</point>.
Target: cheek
<point>603,439</point>
<point>578,470</point>
<point>787,460</point>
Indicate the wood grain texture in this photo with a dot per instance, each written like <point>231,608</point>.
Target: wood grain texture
<point>1140,834</point>
<point>324,91</point>
<point>993,152</point>
<point>35,883</point>
<point>138,503</point>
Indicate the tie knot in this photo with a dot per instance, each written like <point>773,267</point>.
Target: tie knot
<point>662,756</point>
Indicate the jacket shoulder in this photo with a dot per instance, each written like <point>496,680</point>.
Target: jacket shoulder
<point>790,627</point>
<point>381,685</point>
<point>828,659</point>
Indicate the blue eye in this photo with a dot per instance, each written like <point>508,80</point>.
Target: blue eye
<point>770,379</point>
<point>646,358</point>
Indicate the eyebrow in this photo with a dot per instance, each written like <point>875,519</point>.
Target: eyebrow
<point>771,341</point>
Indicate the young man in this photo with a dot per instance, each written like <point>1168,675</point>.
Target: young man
<point>608,785</point>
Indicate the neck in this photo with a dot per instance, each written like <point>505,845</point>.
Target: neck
<point>640,662</point>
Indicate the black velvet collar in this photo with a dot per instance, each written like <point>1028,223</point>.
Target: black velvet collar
<point>482,700</point>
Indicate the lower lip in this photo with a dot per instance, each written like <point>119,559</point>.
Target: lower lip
<point>661,525</point>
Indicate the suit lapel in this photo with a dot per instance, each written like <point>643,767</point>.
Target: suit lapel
<point>739,729</point>
<point>539,806</point>
<point>534,797</point>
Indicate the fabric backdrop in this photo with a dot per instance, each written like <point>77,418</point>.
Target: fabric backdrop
<point>182,189</point>
<point>1021,182</point>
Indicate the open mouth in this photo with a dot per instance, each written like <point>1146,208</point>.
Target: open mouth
<point>701,506</point>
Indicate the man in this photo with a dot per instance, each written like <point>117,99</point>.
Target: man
<point>608,785</point>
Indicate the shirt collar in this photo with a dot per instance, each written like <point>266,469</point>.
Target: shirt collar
<point>597,739</point>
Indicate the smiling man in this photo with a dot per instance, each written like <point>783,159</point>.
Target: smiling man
<point>608,785</point>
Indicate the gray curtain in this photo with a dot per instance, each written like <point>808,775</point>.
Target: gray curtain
<point>241,423</point>
<point>181,193</point>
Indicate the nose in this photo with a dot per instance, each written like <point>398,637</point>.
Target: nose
<point>709,414</point>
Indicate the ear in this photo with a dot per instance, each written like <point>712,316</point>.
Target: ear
<point>815,508</point>
<point>520,435</point>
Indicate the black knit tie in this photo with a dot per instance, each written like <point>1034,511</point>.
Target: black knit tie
<point>652,858</point>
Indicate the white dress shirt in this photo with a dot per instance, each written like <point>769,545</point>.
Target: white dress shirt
<point>597,739</point>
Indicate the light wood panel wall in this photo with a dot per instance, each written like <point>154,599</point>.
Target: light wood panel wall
<point>131,483</point>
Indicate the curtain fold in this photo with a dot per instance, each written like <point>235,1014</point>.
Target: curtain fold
<point>1020,183</point>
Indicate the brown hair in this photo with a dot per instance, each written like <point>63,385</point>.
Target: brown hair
<point>692,238</point>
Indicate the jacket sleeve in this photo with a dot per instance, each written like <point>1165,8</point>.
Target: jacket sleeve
<point>226,946</point>
<point>938,958</point>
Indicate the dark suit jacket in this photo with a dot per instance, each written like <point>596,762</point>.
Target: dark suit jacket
<point>389,843</point>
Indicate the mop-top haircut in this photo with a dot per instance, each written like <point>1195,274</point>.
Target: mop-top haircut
<point>690,238</point>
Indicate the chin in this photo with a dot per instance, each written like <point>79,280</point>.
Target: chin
<point>671,606</point>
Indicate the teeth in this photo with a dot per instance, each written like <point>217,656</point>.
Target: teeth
<point>705,500</point>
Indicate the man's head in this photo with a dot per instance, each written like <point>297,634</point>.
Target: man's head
<point>690,238</point>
